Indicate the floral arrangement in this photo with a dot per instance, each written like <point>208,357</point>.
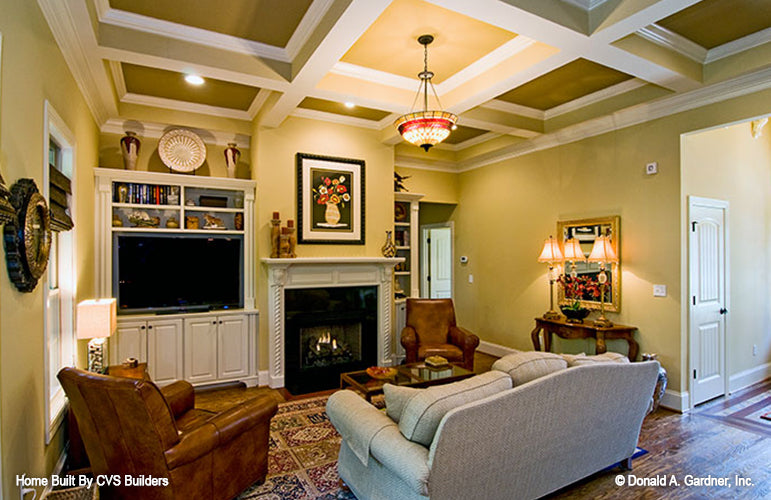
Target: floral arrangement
<point>579,288</point>
<point>332,191</point>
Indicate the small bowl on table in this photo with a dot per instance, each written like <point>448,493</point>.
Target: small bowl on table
<point>381,372</point>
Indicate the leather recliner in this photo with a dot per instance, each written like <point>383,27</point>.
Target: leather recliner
<point>130,427</point>
<point>431,331</point>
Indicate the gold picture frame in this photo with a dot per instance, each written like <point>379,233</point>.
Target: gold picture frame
<point>586,231</point>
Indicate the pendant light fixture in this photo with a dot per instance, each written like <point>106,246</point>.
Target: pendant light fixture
<point>426,128</point>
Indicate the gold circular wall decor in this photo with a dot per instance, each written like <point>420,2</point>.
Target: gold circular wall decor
<point>182,150</point>
<point>27,237</point>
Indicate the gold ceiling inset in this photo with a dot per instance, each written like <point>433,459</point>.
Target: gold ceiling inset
<point>712,23</point>
<point>571,81</point>
<point>462,134</point>
<point>341,109</point>
<point>267,21</point>
<point>389,44</point>
<point>171,85</point>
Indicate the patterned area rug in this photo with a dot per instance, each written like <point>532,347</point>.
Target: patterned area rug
<point>302,461</point>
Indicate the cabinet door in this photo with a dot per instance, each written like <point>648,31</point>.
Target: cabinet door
<point>164,350</point>
<point>130,341</point>
<point>200,350</point>
<point>233,346</point>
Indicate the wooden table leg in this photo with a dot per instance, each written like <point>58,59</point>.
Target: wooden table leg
<point>547,340</point>
<point>600,347</point>
<point>535,339</point>
<point>633,348</point>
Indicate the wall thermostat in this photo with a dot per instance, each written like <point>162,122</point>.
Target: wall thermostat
<point>463,259</point>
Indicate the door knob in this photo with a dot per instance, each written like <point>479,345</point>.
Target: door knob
<point>723,310</point>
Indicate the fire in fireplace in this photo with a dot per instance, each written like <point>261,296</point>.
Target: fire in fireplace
<point>328,331</point>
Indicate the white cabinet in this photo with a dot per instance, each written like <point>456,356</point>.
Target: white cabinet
<point>129,341</point>
<point>232,347</point>
<point>217,348</point>
<point>201,349</point>
<point>164,350</point>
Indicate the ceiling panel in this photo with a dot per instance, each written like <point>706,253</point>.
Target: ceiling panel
<point>154,82</point>
<point>390,43</point>
<point>340,109</point>
<point>267,21</point>
<point>714,22</point>
<point>571,81</point>
<point>462,134</point>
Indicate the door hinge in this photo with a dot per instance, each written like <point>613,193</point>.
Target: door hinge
<point>694,374</point>
<point>428,240</point>
<point>428,278</point>
<point>694,300</point>
<point>693,226</point>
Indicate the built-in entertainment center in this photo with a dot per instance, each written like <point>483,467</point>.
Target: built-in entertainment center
<point>176,251</point>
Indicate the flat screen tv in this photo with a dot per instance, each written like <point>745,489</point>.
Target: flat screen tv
<point>176,273</point>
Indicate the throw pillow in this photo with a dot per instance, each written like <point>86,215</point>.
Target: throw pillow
<point>523,367</point>
<point>607,357</point>
<point>396,398</point>
<point>423,412</point>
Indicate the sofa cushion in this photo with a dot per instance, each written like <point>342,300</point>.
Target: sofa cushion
<point>607,357</point>
<point>396,398</point>
<point>424,411</point>
<point>525,366</point>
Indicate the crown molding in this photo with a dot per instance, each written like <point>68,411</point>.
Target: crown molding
<point>634,115</point>
<point>156,130</point>
<point>595,97</point>
<point>190,34</point>
<point>416,163</point>
<point>586,5</point>
<point>258,103</point>
<point>307,26</point>
<point>117,77</point>
<point>190,107</point>
<point>335,118</point>
<point>745,43</point>
<point>77,50</point>
<point>671,40</point>
<point>514,109</point>
<point>374,76</point>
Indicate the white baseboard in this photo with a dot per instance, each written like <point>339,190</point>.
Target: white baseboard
<point>748,377</point>
<point>58,471</point>
<point>494,349</point>
<point>275,382</point>
<point>677,401</point>
<point>264,377</point>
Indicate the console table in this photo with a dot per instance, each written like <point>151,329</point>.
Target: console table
<point>600,334</point>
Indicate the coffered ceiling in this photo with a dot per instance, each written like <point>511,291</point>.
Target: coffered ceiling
<point>521,74</point>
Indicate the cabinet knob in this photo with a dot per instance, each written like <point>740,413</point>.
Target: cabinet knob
<point>150,327</point>
<point>142,327</point>
<point>220,322</point>
<point>214,322</point>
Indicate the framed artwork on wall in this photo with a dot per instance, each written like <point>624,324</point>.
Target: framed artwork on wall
<point>330,200</point>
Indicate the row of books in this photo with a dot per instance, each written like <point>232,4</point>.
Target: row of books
<point>145,194</point>
<point>402,238</point>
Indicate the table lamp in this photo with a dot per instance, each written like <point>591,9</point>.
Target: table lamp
<point>573,253</point>
<point>97,320</point>
<point>603,252</point>
<point>550,254</point>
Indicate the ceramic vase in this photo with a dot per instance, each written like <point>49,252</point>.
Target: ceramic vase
<point>332,214</point>
<point>389,249</point>
<point>129,146</point>
<point>232,154</point>
<point>575,315</point>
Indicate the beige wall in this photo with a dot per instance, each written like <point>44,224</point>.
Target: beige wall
<point>506,210</point>
<point>728,164</point>
<point>273,155</point>
<point>437,186</point>
<point>33,71</point>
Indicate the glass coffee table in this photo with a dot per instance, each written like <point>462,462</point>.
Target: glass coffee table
<point>409,375</point>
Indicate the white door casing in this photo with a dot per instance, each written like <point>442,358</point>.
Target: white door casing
<point>437,260</point>
<point>708,303</point>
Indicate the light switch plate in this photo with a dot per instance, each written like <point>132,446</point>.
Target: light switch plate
<point>652,168</point>
<point>470,278</point>
<point>659,290</point>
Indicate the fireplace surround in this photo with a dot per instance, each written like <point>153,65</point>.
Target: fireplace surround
<point>325,273</point>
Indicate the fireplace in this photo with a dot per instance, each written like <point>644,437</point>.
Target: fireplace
<point>328,331</point>
<point>328,273</point>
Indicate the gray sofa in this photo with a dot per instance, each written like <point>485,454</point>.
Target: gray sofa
<point>521,442</point>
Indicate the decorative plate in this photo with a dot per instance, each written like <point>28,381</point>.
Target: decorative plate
<point>181,150</point>
<point>381,372</point>
<point>400,212</point>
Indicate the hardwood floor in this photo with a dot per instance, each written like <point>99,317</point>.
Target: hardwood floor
<point>722,438</point>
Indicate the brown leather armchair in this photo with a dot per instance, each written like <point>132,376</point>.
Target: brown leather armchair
<point>431,331</point>
<point>131,427</point>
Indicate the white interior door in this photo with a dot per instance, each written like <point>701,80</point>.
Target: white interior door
<point>708,304</point>
<point>436,261</point>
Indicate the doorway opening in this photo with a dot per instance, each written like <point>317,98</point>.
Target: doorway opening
<point>436,260</point>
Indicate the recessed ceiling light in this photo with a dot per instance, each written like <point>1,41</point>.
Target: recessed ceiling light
<point>194,79</point>
<point>349,104</point>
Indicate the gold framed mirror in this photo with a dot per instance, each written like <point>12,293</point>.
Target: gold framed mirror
<point>585,231</point>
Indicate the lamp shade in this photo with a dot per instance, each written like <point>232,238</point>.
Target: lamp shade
<point>97,318</point>
<point>602,251</point>
<point>573,250</point>
<point>551,251</point>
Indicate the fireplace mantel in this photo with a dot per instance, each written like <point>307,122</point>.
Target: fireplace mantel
<point>317,272</point>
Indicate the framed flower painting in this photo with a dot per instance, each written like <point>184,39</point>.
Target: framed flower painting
<point>330,200</point>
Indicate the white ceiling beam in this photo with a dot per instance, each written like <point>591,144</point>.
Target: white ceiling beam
<point>349,27</point>
<point>642,13</point>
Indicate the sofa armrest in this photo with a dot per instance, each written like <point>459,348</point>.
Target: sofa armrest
<point>180,397</point>
<point>241,418</point>
<point>409,341</point>
<point>192,446</point>
<point>357,421</point>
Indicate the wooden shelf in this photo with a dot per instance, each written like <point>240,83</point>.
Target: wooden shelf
<point>174,230</point>
<point>146,206</point>
<point>197,208</point>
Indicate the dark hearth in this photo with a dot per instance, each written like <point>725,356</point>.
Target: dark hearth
<point>328,331</point>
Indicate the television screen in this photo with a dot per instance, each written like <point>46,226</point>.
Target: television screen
<point>172,272</point>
